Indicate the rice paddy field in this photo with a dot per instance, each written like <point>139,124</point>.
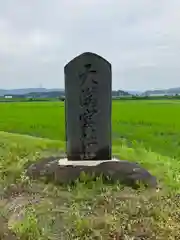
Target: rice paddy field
<point>146,131</point>
<point>153,124</point>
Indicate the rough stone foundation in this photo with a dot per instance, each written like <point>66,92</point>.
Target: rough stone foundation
<point>62,171</point>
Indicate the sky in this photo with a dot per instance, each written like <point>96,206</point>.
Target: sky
<point>140,38</point>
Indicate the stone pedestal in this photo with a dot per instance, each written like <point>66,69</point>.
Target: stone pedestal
<point>62,171</point>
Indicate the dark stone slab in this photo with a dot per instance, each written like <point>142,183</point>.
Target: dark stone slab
<point>88,107</point>
<point>125,172</point>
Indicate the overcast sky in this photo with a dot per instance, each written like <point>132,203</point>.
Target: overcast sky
<point>141,38</point>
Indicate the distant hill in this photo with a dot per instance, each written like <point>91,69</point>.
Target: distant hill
<point>43,92</point>
<point>163,91</point>
<point>119,93</point>
<point>24,91</point>
<point>134,92</point>
<point>47,94</point>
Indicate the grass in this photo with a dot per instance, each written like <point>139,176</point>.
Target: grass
<point>154,124</point>
<point>40,119</point>
<point>89,210</point>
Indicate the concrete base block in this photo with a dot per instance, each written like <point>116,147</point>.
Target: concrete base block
<point>65,162</point>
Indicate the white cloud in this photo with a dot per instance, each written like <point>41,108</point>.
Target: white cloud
<point>140,38</point>
<point>18,44</point>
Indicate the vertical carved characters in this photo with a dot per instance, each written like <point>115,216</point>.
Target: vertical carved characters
<point>89,108</point>
<point>88,102</point>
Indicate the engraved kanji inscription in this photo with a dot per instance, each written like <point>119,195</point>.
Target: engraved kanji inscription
<point>89,108</point>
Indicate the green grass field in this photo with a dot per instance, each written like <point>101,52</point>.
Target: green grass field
<point>143,131</point>
<point>154,124</point>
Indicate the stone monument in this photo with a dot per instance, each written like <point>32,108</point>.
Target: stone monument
<point>88,108</point>
<point>88,129</point>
